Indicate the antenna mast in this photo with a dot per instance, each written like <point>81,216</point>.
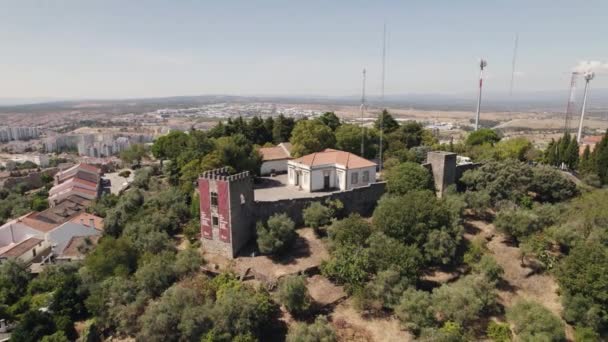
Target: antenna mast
<point>571,100</point>
<point>362,110</point>
<point>482,65</point>
<point>588,77</point>
<point>382,94</point>
<point>513,64</point>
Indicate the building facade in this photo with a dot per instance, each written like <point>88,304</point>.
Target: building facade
<point>330,169</point>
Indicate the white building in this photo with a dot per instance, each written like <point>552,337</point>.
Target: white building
<point>330,169</point>
<point>274,159</point>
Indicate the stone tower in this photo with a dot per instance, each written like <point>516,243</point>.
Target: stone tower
<point>443,166</point>
<point>225,209</point>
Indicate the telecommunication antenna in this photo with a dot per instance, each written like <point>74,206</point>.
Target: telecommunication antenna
<point>482,64</point>
<point>571,102</point>
<point>382,94</point>
<point>362,110</point>
<point>513,64</point>
<point>589,75</point>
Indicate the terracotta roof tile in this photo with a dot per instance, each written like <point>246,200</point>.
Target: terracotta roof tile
<point>330,156</point>
<point>275,153</point>
<point>22,247</point>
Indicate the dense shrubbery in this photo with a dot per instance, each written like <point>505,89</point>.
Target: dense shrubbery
<point>408,177</point>
<point>276,235</point>
<point>319,331</point>
<point>533,322</point>
<point>293,294</point>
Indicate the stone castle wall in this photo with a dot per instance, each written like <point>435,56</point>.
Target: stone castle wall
<point>360,200</point>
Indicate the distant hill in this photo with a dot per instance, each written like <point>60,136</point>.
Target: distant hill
<point>528,101</point>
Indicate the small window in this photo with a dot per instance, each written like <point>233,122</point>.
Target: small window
<point>242,199</point>
<point>214,199</point>
<point>354,178</point>
<point>34,252</point>
<point>215,221</point>
<point>365,177</point>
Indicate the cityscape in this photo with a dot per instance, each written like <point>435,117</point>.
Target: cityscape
<point>314,172</point>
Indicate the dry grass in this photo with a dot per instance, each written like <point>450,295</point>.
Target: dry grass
<point>352,326</point>
<point>522,283</point>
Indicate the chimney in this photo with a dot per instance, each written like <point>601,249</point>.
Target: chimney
<point>92,223</point>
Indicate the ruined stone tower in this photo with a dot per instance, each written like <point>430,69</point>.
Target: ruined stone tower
<point>225,209</point>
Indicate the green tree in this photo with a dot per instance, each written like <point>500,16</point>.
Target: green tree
<point>276,235</point>
<point>482,136</point>
<point>533,322</point>
<point>133,154</point>
<point>111,257</point>
<point>408,177</point>
<point>293,294</point>
<point>387,253</point>
<point>14,277</point>
<point>349,136</point>
<point>499,332</point>
<point>316,215</point>
<point>465,300</point>
<point>170,146</point>
<point>350,265</point>
<point>514,148</point>
<point>319,331</point>
<point>582,277</point>
<point>386,122</point>
<point>330,120</point>
<point>33,327</point>
<point>382,292</point>
<point>310,136</point>
<point>410,218</point>
<point>415,310</point>
<point>282,129</point>
<point>351,231</point>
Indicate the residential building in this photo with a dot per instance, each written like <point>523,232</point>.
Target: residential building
<point>83,180</point>
<point>274,159</point>
<point>330,169</point>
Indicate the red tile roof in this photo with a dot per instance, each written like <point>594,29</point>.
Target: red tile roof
<point>331,156</point>
<point>86,220</point>
<point>32,220</point>
<point>22,247</point>
<point>279,152</point>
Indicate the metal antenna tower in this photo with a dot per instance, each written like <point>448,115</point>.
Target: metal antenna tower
<point>588,77</point>
<point>362,110</point>
<point>513,64</point>
<point>382,94</point>
<point>482,65</point>
<point>571,102</point>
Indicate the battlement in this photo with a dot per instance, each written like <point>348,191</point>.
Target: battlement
<point>223,174</point>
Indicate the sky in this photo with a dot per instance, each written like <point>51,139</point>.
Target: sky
<point>122,49</point>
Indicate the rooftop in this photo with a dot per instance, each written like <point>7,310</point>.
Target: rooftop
<point>22,247</point>
<point>330,156</point>
<point>279,152</point>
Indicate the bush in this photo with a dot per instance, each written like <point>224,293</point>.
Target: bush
<point>316,215</point>
<point>350,265</point>
<point>414,310</point>
<point>352,230</point>
<point>533,322</point>
<point>499,332</point>
<point>465,300</point>
<point>124,174</point>
<point>278,234</point>
<point>482,136</point>
<point>585,334</point>
<point>408,177</point>
<point>293,294</point>
<point>319,331</point>
<point>489,268</point>
<point>383,292</point>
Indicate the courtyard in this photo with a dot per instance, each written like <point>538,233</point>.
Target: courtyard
<point>275,188</point>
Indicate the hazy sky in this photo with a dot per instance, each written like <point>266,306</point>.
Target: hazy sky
<point>130,48</point>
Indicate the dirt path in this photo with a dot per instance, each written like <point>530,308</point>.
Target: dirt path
<point>522,282</point>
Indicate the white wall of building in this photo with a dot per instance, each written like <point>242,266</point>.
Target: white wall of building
<point>277,165</point>
<point>371,171</point>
